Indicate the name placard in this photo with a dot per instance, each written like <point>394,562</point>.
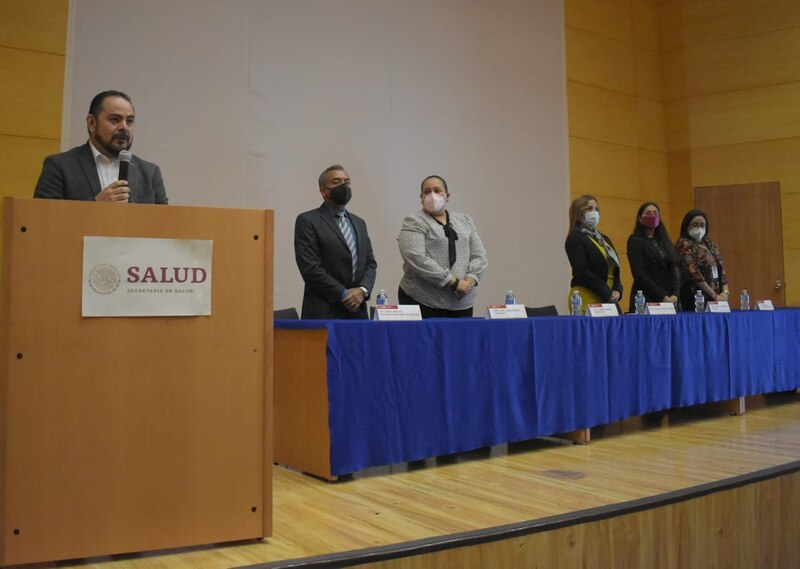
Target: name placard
<point>660,308</point>
<point>602,310</point>
<point>505,311</point>
<point>134,276</point>
<point>397,312</point>
<point>718,306</point>
<point>764,305</point>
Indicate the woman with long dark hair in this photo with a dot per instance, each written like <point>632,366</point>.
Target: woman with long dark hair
<point>701,264</point>
<point>654,262</point>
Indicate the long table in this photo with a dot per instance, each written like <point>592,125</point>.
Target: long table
<point>355,394</point>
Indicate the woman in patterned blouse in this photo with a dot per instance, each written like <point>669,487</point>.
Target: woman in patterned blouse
<point>701,264</point>
<point>443,256</point>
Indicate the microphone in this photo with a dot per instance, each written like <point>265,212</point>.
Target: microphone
<point>124,162</point>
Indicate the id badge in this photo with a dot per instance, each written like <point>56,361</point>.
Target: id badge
<point>714,272</point>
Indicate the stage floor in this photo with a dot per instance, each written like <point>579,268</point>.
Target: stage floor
<point>507,484</point>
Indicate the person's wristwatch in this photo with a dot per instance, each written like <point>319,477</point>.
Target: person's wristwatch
<point>366,292</point>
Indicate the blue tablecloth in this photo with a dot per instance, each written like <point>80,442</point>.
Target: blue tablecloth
<point>401,391</point>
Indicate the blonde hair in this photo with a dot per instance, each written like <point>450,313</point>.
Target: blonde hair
<point>576,208</point>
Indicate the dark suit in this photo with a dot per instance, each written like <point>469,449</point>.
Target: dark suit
<point>654,274</point>
<point>589,266</point>
<point>72,175</point>
<point>325,262</point>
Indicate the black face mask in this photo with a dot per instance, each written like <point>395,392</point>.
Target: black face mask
<point>341,194</point>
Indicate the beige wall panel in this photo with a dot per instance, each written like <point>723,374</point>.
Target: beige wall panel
<point>600,61</point>
<point>651,125</point>
<point>743,63</point>
<point>31,87</point>
<point>791,273</point>
<point>745,116</point>
<point>645,24</point>
<point>679,166</point>
<point>676,125</point>
<point>34,25</point>
<point>653,176</point>
<point>648,74</point>
<point>599,114</point>
<point>610,18</point>
<point>673,69</point>
<point>790,220</point>
<point>603,168</point>
<point>765,161</point>
<point>21,163</point>
<point>692,22</point>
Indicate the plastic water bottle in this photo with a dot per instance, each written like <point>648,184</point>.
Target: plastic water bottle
<point>699,301</point>
<point>510,298</point>
<point>744,300</point>
<point>577,303</point>
<point>639,302</point>
<point>382,298</point>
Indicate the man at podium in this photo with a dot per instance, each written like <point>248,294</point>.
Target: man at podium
<point>334,253</point>
<point>95,170</point>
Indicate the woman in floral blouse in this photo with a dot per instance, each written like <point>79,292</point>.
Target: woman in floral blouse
<point>701,265</point>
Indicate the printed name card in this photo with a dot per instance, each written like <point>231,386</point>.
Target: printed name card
<point>602,310</point>
<point>397,312</point>
<point>764,305</point>
<point>718,306</point>
<point>660,308</point>
<point>505,311</point>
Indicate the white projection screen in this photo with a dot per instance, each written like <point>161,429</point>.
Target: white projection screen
<point>244,102</point>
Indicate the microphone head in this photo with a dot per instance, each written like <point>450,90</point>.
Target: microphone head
<point>125,155</point>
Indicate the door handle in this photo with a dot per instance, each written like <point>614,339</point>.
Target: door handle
<point>778,284</point>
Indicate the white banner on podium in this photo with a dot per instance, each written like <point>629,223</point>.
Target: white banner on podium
<point>132,276</point>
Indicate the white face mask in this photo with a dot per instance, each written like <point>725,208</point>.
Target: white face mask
<point>591,219</point>
<point>434,203</point>
<point>697,233</point>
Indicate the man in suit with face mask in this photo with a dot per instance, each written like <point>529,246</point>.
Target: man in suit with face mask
<point>334,253</point>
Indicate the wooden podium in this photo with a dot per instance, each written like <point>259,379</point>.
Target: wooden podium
<point>132,434</point>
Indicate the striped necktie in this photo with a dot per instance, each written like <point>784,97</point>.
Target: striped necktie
<point>347,233</point>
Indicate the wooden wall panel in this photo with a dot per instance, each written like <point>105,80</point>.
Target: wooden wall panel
<point>650,121</point>
<point>21,163</point>
<point>600,61</point>
<point>745,116</point>
<point>653,176</point>
<point>790,210</point>
<point>768,160</point>
<point>741,63</point>
<point>648,74</point>
<point>791,272</point>
<point>31,87</point>
<point>609,18</point>
<point>645,24</point>
<point>34,25</point>
<point>692,22</point>
<point>599,114</point>
<point>676,125</point>
<point>606,169</point>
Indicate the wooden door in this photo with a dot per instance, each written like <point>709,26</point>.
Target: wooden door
<point>745,221</point>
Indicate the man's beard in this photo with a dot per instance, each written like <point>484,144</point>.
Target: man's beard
<point>114,150</point>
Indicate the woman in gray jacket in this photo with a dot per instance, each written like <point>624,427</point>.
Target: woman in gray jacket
<point>443,256</point>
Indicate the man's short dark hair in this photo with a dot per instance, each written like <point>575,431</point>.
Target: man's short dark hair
<point>97,102</point>
<point>325,173</point>
<point>422,183</point>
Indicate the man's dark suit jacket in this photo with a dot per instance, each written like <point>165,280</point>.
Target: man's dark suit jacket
<point>72,175</point>
<point>326,265</point>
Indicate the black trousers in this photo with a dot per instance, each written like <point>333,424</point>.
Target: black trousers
<point>429,311</point>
